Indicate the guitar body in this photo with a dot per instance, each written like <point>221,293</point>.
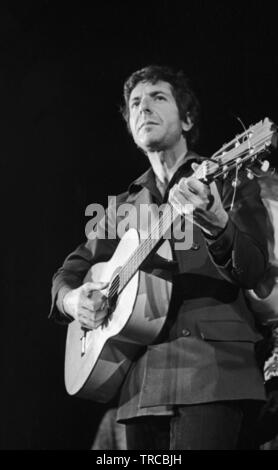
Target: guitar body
<point>97,371</point>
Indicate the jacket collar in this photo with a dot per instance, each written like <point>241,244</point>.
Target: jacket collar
<point>148,179</point>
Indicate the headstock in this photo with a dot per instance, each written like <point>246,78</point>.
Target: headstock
<point>244,151</point>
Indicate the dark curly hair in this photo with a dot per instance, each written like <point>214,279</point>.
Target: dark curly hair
<point>187,102</point>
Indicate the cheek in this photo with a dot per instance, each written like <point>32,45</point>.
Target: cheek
<point>175,125</point>
<point>132,125</point>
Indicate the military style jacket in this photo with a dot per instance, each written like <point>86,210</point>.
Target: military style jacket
<point>207,351</point>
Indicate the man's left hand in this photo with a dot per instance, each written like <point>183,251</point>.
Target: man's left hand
<point>208,210</point>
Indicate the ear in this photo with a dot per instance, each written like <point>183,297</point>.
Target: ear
<point>188,124</point>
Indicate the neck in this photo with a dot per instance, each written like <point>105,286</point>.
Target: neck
<point>166,162</point>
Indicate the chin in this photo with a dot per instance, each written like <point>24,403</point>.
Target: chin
<point>151,145</point>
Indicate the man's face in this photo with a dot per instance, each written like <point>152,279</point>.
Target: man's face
<point>154,116</point>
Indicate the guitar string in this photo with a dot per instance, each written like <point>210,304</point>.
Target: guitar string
<point>138,256</point>
<point>148,243</point>
<point>252,130</point>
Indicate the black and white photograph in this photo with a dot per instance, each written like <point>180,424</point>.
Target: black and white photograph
<point>139,196</point>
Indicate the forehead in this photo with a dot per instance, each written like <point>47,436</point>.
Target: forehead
<point>147,88</point>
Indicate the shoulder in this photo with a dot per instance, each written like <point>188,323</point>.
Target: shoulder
<point>119,198</point>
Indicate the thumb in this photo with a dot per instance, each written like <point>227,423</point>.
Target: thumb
<point>194,166</point>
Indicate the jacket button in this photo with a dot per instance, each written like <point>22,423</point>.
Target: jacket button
<point>186,332</point>
<point>195,246</point>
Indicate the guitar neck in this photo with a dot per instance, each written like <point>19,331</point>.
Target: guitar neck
<point>242,150</point>
<point>159,231</point>
<point>144,249</point>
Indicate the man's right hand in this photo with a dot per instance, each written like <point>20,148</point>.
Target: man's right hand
<point>87,304</point>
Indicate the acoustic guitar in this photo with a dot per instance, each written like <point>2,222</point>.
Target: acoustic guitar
<point>97,361</point>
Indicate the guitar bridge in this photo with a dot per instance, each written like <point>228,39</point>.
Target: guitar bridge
<point>83,340</point>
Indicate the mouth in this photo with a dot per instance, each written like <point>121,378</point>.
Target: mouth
<point>147,123</point>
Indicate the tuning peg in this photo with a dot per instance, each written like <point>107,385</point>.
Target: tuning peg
<point>236,182</point>
<point>265,166</point>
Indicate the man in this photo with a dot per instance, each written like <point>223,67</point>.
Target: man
<point>198,386</point>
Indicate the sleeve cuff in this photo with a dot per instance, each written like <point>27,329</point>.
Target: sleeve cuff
<point>57,309</point>
<point>220,248</point>
<point>60,297</point>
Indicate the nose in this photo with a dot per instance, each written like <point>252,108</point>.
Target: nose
<point>145,105</point>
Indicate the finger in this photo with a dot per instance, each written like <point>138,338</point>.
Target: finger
<point>176,207</point>
<point>86,315</point>
<point>98,302</point>
<point>200,170</point>
<point>206,168</point>
<point>186,196</point>
<point>197,187</point>
<point>214,190</point>
<point>203,196</point>
<point>91,319</point>
<point>191,185</point>
<point>85,322</point>
<point>177,199</point>
<point>88,307</point>
<point>88,324</point>
<point>92,293</point>
<point>99,285</point>
<point>175,204</point>
<point>181,204</point>
<point>91,286</point>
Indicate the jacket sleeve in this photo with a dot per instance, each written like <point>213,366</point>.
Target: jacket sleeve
<point>241,252</point>
<point>99,247</point>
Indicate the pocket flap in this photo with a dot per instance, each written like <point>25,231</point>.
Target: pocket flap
<point>229,330</point>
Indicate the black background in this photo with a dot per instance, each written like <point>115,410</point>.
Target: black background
<point>64,145</point>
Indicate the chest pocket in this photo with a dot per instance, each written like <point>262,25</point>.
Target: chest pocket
<point>230,330</point>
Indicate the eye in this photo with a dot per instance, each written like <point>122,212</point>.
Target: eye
<point>134,104</point>
<point>160,98</point>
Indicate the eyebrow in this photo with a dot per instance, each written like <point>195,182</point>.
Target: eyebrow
<point>152,94</point>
